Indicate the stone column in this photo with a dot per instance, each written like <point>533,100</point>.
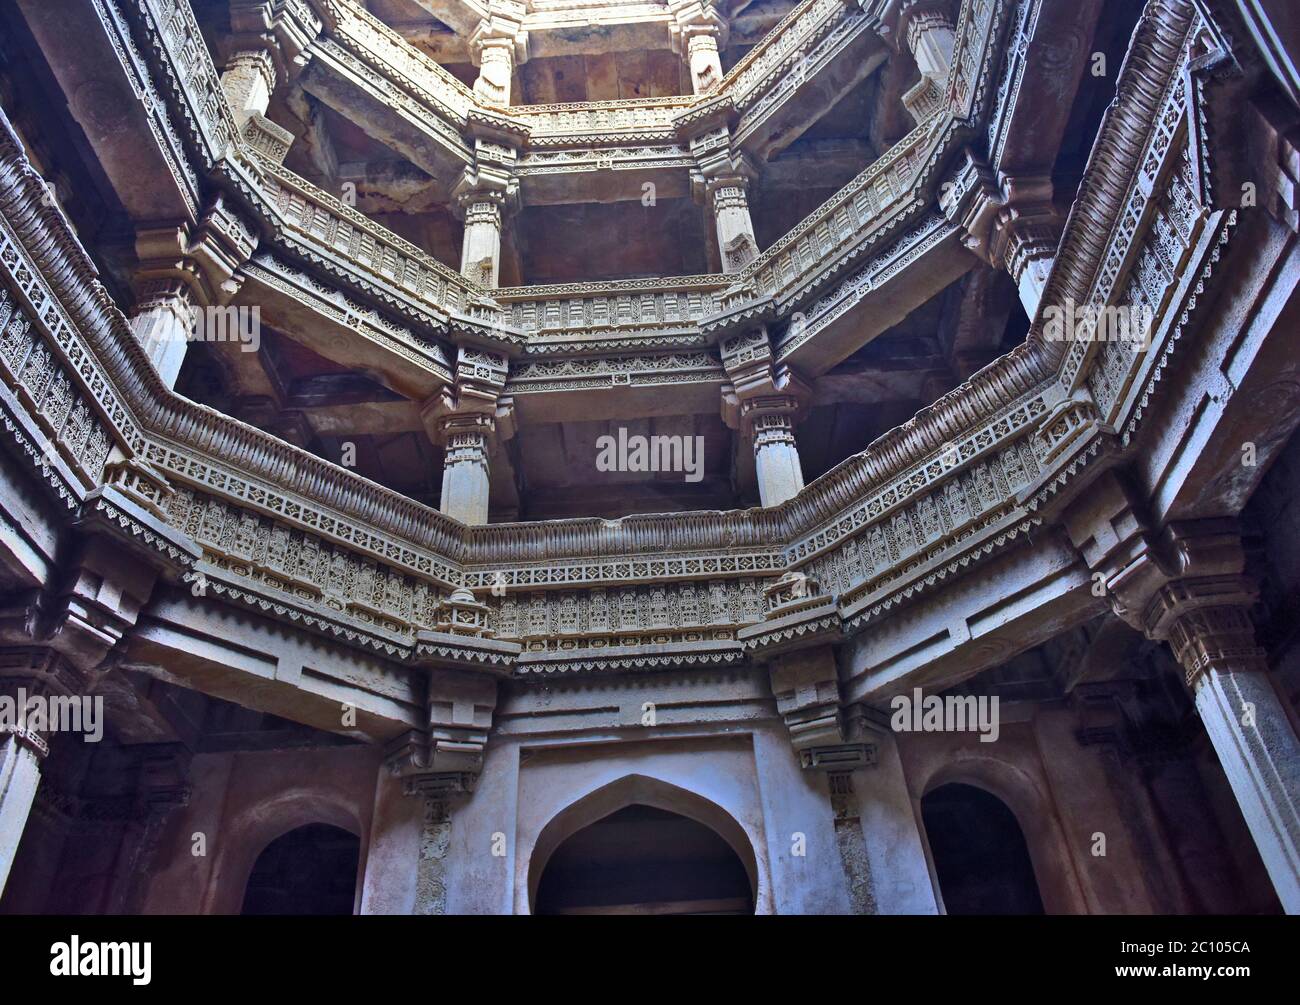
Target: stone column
<point>704,60</point>
<point>930,37</point>
<point>776,454</point>
<point>497,46</point>
<point>728,196</point>
<point>496,67</point>
<point>485,195</point>
<point>249,82</point>
<point>183,270</point>
<point>698,32</point>
<point>480,254</point>
<point>21,753</point>
<point>1010,222</point>
<point>763,402</point>
<point>29,677</point>
<point>1031,249</point>
<point>467,441</point>
<point>163,322</point>
<point>1209,629</point>
<point>468,419</point>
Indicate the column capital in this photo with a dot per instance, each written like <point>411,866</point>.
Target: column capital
<point>497,45</point>
<point>1207,624</point>
<point>1011,222</point>
<point>206,258</point>
<point>759,388</point>
<point>445,755</point>
<point>503,28</point>
<point>694,18</point>
<point>485,186</point>
<point>34,671</point>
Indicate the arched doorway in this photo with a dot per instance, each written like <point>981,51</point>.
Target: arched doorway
<point>309,870</point>
<point>644,860</point>
<point>979,853</point>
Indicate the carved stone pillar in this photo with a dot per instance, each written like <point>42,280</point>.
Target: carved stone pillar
<point>249,81</point>
<point>1209,629</point>
<point>28,672</point>
<point>763,403</point>
<point>268,45</point>
<point>776,455</point>
<point>925,27</point>
<point>930,36</point>
<point>1010,222</point>
<point>162,323</point>
<point>21,754</point>
<point>721,181</point>
<point>182,271</point>
<point>699,32</point>
<point>1186,584</point>
<point>497,46</point>
<point>466,440</point>
<point>486,194</point>
<point>468,420</point>
<point>1032,239</point>
<point>729,199</point>
<point>480,253</point>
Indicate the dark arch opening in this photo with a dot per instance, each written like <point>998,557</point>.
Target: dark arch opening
<point>644,860</point>
<point>979,853</point>
<point>309,870</point>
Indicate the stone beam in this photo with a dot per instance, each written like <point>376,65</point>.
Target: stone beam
<point>100,93</point>
<point>817,85</point>
<point>1009,604</point>
<point>440,153</point>
<point>246,658</point>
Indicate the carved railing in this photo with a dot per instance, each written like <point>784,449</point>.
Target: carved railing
<point>621,314</point>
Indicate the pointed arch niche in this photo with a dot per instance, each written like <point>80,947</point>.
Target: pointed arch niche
<point>642,845</point>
